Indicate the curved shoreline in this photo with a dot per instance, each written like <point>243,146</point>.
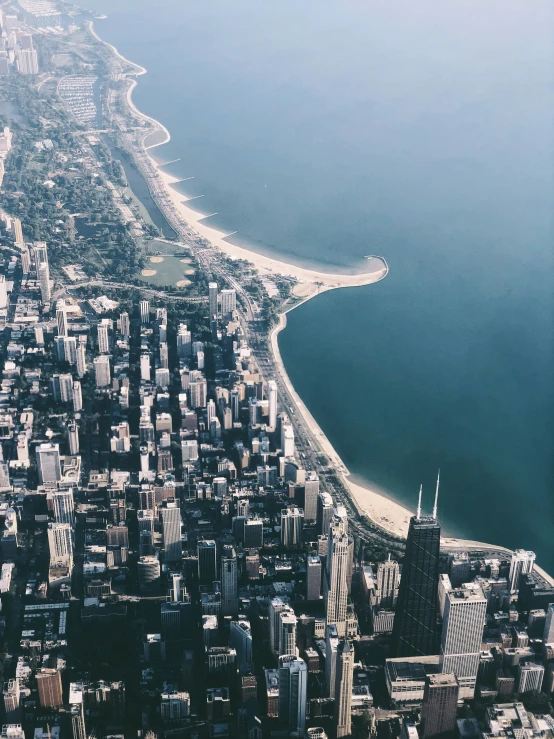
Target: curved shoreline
<point>385,512</point>
<point>134,82</point>
<point>193,218</point>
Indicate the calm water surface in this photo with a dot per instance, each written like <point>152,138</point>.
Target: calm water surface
<point>329,129</point>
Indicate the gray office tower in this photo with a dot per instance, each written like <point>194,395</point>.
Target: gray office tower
<point>325,511</point>
<point>293,683</point>
<point>343,688</point>
<point>415,624</point>
<point>313,577</point>
<point>307,495</point>
<point>170,516</point>
<point>229,586</point>
<point>440,704</point>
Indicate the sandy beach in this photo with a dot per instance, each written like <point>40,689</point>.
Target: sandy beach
<point>378,268</point>
<point>321,280</point>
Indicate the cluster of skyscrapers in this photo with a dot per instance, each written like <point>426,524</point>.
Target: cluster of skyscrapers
<point>17,52</point>
<point>173,501</point>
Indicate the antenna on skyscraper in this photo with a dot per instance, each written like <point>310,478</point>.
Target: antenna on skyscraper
<point>419,502</point>
<point>436,494</point>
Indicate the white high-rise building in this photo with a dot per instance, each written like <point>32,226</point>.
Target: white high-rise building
<point>210,411</point>
<point>73,438</point>
<point>313,577</point>
<point>212,299</point>
<point>3,293</point>
<point>40,254</point>
<point>292,522</point>
<point>340,519</point>
<point>25,260</point>
<point>144,311</point>
<point>175,706</point>
<point>145,367</point>
<point>27,61</point>
<point>144,462</point>
<point>445,586</point>
<point>11,701</point>
<point>235,405</point>
<point>276,606</point>
<point>272,397</point>
<point>17,231</point>
<point>103,338</point>
<point>184,341</point>
<point>170,516</point>
<point>287,440</point>
<point>253,411</point>
<point>77,710</point>
<point>64,507</point>
<point>465,611</point>
<point>44,282</point>
<point>77,397</point>
<point>125,325</point>
<point>240,639</point>
<point>23,448</point>
<point>48,463</point>
<point>81,360</point>
<point>343,688</point>
<point>229,581</point>
<point>311,494</point>
<point>61,320</point>
<point>198,389</point>
<point>70,349</point>
<point>164,355</point>
<point>530,677</point>
<point>293,683</point>
<point>325,511</point>
<point>522,563</point>
<point>335,589</point>
<point>5,140</point>
<point>162,377</point>
<point>228,302</point>
<point>102,371</point>
<point>331,646</point>
<point>388,580</point>
<point>287,632</point>
<point>39,335</point>
<point>5,483</point>
<point>60,541</point>
<point>62,387</point>
<point>189,450</point>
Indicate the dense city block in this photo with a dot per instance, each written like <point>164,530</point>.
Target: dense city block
<point>179,556</point>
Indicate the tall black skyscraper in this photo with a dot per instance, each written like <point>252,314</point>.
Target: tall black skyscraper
<point>415,623</point>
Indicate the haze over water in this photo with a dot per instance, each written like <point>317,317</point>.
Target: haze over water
<point>325,130</point>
